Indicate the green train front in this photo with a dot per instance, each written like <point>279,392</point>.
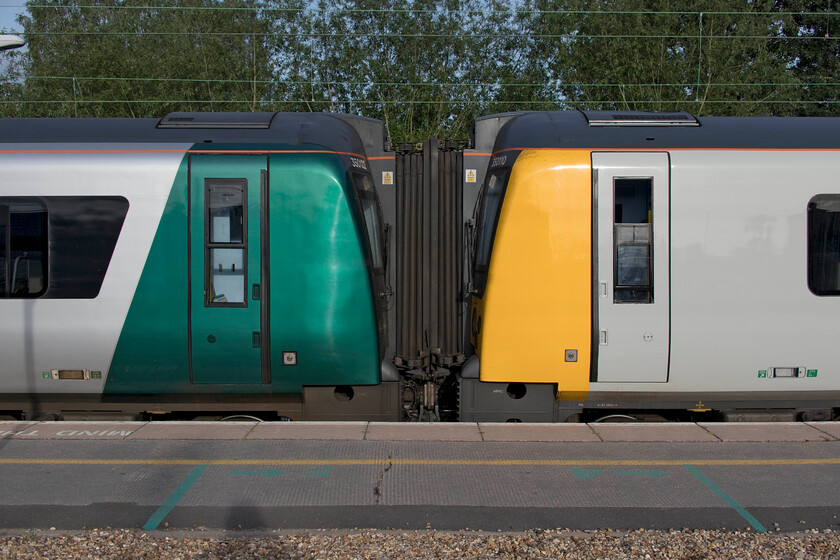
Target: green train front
<point>261,286</point>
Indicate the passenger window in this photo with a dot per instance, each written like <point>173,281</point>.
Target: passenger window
<point>824,245</point>
<point>226,241</point>
<point>633,239</point>
<point>23,249</point>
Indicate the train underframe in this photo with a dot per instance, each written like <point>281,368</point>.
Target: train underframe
<point>445,397</point>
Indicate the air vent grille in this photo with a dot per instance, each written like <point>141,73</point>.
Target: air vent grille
<point>217,120</point>
<point>639,118</point>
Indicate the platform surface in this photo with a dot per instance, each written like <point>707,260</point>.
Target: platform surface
<point>388,431</point>
<point>251,475</point>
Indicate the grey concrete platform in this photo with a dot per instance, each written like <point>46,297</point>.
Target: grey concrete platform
<point>154,484</point>
<point>309,430</point>
<point>769,432</point>
<point>537,432</point>
<point>654,432</point>
<point>250,475</point>
<point>384,431</point>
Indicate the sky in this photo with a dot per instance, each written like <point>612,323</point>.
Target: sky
<point>9,10</point>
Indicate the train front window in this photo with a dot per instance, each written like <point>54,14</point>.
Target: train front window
<point>23,249</point>
<point>824,245</point>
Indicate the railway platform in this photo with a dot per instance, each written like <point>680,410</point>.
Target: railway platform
<point>497,477</point>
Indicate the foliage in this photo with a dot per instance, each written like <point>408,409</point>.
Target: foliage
<point>141,61</point>
<point>813,53</point>
<point>622,54</point>
<point>426,68</point>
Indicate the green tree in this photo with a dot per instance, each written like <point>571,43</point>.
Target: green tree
<point>425,68</point>
<point>508,60</point>
<point>622,54</point>
<point>125,58</point>
<point>812,50</point>
<point>401,62</point>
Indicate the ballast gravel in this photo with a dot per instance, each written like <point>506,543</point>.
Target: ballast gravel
<point>641,544</point>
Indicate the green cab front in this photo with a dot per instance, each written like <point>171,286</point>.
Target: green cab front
<point>260,279</point>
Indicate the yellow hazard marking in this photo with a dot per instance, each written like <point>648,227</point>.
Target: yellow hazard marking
<point>439,462</point>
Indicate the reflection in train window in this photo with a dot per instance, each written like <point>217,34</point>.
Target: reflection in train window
<point>824,245</point>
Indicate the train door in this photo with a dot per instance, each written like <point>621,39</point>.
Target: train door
<point>632,299</point>
<point>226,301</point>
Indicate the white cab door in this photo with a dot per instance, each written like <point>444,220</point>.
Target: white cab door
<point>632,287</point>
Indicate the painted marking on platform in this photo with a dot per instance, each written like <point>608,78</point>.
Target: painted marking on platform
<point>174,498</point>
<point>317,472</point>
<point>419,462</point>
<point>584,474</point>
<point>94,433</point>
<point>755,523</point>
<point>639,473</point>
<point>258,473</point>
<point>320,472</point>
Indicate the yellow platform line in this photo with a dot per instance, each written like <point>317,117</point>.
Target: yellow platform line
<point>432,462</point>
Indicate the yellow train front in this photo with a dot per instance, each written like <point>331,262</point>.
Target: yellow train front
<point>655,265</point>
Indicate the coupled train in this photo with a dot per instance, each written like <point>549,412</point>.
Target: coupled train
<point>560,266</point>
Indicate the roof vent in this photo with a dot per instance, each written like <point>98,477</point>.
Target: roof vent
<point>216,120</point>
<point>639,118</point>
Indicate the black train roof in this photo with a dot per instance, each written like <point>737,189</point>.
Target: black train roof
<point>639,130</point>
<point>330,131</point>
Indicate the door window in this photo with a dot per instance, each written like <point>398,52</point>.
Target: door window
<point>633,238</point>
<point>226,242</point>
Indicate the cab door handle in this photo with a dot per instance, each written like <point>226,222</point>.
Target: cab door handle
<point>256,292</point>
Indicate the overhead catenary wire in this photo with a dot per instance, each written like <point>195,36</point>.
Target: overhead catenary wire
<point>434,11</point>
<point>267,81</point>
<point>423,84</point>
<point>410,102</point>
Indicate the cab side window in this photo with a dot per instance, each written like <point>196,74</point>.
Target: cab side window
<point>488,208</point>
<point>371,214</point>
